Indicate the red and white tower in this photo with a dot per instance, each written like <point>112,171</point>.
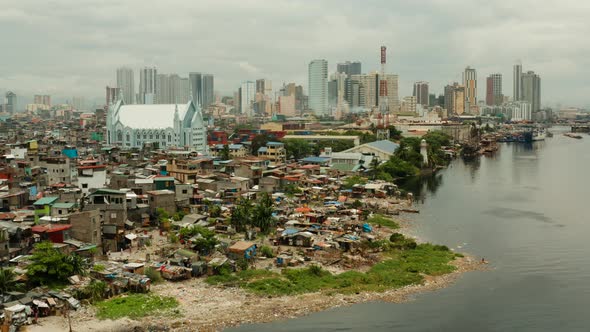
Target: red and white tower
<point>383,104</point>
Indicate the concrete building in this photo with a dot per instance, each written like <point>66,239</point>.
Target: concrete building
<point>349,68</point>
<point>383,149</point>
<point>517,82</point>
<point>520,111</point>
<point>531,89</point>
<point>162,199</point>
<point>167,125</point>
<point>392,92</point>
<point>318,87</point>
<point>287,105</point>
<point>455,99</point>
<point>125,82</point>
<point>247,94</point>
<point>112,95</point>
<point>275,152</point>
<point>147,85</point>
<point>196,86</point>
<point>368,92</point>
<point>172,89</point>
<point>208,90</point>
<point>91,175</point>
<point>10,102</point>
<point>494,94</point>
<point>409,104</point>
<point>42,100</point>
<point>470,84</point>
<point>421,93</point>
<point>86,226</point>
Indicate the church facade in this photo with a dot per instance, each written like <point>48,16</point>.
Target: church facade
<point>166,125</point>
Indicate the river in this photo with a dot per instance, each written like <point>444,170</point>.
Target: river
<point>525,211</point>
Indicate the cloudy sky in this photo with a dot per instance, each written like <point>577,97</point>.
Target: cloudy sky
<point>72,48</point>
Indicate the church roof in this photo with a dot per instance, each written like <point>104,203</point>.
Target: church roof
<point>154,116</point>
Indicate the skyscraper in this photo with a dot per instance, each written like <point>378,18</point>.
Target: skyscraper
<point>147,85</point>
<point>112,95</point>
<point>368,92</point>
<point>455,99</point>
<point>318,86</point>
<point>208,90</point>
<point>517,82</point>
<point>247,93</point>
<point>531,90</point>
<point>349,68</point>
<point>421,93</point>
<point>10,102</point>
<point>125,83</point>
<point>196,86</point>
<point>163,89</point>
<point>470,84</point>
<point>42,100</point>
<point>391,81</point>
<point>494,90</point>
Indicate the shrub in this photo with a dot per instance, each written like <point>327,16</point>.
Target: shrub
<point>153,274</point>
<point>98,267</point>
<point>266,251</point>
<point>397,237</point>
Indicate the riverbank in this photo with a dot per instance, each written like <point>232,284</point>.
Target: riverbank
<point>207,307</point>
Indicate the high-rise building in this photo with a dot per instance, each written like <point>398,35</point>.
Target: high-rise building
<point>163,89</point>
<point>42,100</point>
<point>392,92</point>
<point>494,90</point>
<point>409,104</point>
<point>78,103</point>
<point>454,99</point>
<point>470,84</point>
<point>368,89</point>
<point>208,90</point>
<point>125,82</point>
<point>112,95</point>
<point>196,87</point>
<point>247,94</point>
<point>517,82</point>
<point>10,102</point>
<point>531,90</point>
<point>318,86</point>
<point>432,100</point>
<point>349,68</point>
<point>421,93</point>
<point>147,85</point>
<point>181,90</point>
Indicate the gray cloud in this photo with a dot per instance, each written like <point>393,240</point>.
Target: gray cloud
<point>69,48</point>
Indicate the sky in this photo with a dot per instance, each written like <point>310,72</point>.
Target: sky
<point>72,48</point>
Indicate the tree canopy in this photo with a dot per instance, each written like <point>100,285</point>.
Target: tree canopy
<point>50,266</point>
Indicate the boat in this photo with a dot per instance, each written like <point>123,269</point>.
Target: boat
<point>571,135</point>
<point>539,135</point>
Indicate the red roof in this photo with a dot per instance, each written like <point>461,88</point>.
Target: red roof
<point>50,228</point>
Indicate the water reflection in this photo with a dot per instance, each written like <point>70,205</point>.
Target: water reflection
<point>421,185</point>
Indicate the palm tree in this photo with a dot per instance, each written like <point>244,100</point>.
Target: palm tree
<point>262,216</point>
<point>7,280</point>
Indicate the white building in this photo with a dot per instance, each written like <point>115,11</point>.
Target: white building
<point>147,85</point>
<point>247,94</point>
<point>521,111</point>
<point>168,125</point>
<point>318,87</point>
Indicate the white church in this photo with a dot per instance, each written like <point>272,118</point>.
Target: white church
<point>169,125</point>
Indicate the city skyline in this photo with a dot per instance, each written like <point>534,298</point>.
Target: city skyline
<point>350,34</point>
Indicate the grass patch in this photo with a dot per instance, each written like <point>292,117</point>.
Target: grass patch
<point>137,306</point>
<point>381,220</point>
<point>404,267</point>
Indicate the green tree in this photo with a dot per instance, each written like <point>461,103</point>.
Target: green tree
<point>7,280</point>
<point>373,166</point>
<point>350,181</point>
<point>394,133</point>
<point>297,148</point>
<point>241,214</point>
<point>49,266</point>
<point>224,154</point>
<point>262,214</point>
<point>259,141</point>
<point>396,167</point>
<point>96,290</point>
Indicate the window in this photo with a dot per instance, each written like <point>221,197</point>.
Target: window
<point>59,212</point>
<point>158,136</point>
<point>169,137</point>
<point>84,185</point>
<point>184,191</point>
<point>127,138</point>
